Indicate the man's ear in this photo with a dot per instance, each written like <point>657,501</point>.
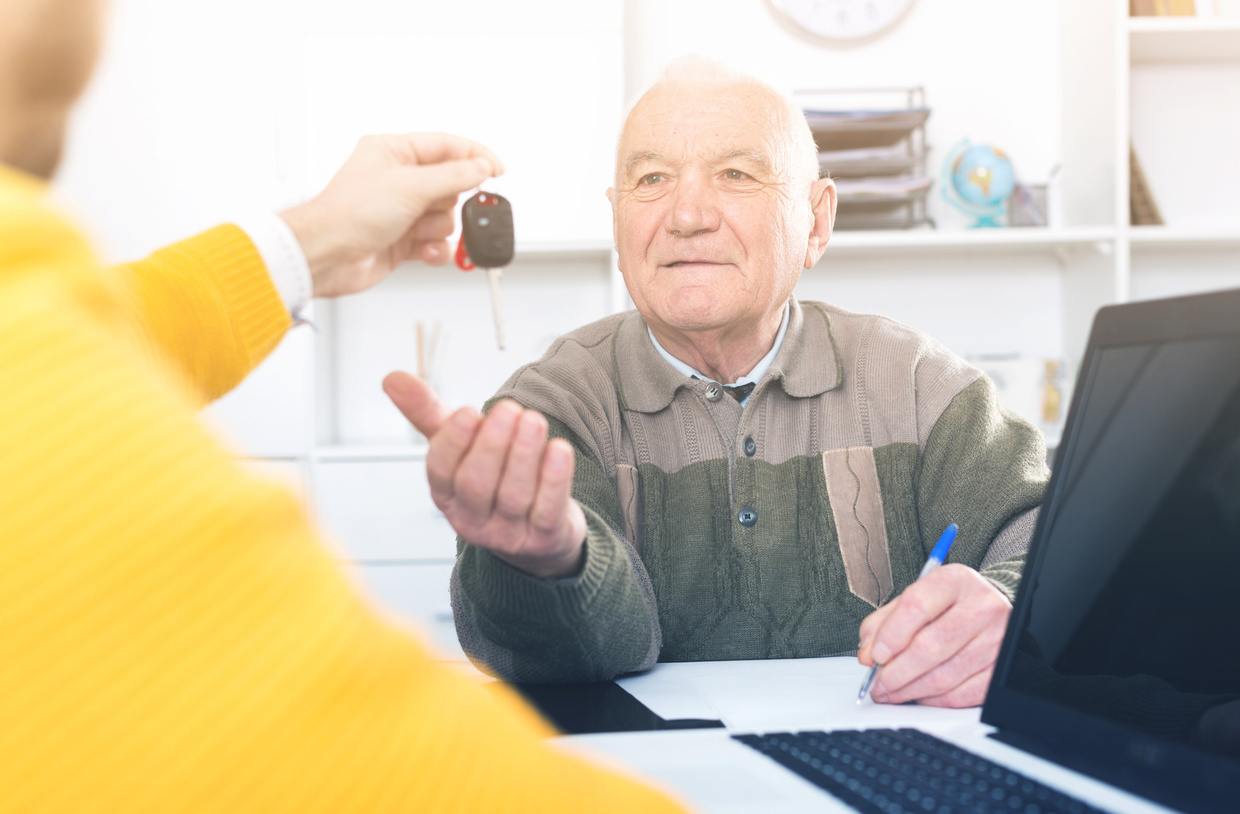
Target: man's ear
<point>822,203</point>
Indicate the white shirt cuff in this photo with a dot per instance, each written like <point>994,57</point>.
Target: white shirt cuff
<point>285,261</point>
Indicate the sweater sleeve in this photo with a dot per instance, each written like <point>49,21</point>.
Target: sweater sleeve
<point>985,470</point>
<point>208,304</point>
<point>594,626</point>
<point>177,637</point>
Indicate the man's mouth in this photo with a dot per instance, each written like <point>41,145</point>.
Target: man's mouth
<point>694,262</point>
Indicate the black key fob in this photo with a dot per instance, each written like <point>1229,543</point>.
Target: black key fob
<point>486,230</point>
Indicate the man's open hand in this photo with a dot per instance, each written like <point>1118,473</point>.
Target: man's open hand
<point>502,485</point>
<point>937,641</point>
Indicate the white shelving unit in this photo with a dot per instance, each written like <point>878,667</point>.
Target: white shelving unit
<point>996,241</point>
<point>1183,238</point>
<point>1175,83</point>
<point>567,248</point>
<point>1183,39</point>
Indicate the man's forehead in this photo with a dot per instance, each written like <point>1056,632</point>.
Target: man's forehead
<point>758,154</point>
<point>682,121</point>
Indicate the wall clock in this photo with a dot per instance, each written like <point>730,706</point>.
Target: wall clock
<point>842,21</point>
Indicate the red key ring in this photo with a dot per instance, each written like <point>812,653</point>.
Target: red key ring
<point>462,257</point>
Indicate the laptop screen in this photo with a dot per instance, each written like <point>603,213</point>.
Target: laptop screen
<point>1134,614</point>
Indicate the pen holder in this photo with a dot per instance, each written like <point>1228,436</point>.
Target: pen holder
<point>426,350</point>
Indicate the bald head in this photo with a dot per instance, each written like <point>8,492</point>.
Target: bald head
<point>769,115</point>
<point>48,49</point>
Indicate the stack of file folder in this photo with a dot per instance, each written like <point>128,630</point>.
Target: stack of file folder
<point>878,161</point>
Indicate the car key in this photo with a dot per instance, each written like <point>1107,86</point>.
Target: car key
<point>487,242</point>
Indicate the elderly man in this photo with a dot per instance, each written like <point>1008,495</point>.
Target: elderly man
<point>733,474</point>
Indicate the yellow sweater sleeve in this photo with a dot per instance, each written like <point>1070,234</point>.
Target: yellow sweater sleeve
<point>208,303</point>
<point>174,636</point>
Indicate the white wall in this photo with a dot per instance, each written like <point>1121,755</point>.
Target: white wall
<point>990,67</point>
<point>179,131</point>
<point>203,112</point>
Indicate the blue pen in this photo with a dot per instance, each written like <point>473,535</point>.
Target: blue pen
<point>937,556</point>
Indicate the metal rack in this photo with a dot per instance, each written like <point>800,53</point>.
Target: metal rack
<point>850,120</point>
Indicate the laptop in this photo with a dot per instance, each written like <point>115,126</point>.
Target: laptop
<point>1121,660</point>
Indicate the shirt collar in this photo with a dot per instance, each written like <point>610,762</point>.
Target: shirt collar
<point>803,360</point>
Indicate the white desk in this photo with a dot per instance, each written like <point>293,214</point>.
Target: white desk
<point>715,774</point>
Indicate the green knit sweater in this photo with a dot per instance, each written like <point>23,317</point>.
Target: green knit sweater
<point>717,531</point>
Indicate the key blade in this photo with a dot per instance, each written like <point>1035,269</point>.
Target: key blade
<point>497,304</point>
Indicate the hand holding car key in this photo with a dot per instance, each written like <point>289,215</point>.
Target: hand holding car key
<point>487,242</point>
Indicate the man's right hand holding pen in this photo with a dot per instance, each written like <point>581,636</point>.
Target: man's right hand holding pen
<point>936,643</point>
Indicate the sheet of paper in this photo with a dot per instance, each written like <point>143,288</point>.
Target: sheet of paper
<point>811,694</point>
<point>669,694</point>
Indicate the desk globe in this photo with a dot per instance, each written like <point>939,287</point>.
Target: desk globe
<point>978,179</point>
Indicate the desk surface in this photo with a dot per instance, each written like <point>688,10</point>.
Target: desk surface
<point>712,773</point>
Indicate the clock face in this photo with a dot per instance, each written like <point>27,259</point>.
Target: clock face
<point>842,20</point>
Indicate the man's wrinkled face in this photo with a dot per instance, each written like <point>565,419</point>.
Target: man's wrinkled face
<point>710,227</point>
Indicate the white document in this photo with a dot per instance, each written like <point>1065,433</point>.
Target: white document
<point>670,693</point>
<point>778,694</point>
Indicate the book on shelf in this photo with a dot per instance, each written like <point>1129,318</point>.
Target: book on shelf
<point>1142,208</point>
<point>1162,8</point>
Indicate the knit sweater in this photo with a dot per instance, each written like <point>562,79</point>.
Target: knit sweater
<point>174,635</point>
<point>716,531</point>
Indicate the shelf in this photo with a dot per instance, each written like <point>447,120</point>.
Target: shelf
<point>1183,39</point>
<point>565,248</point>
<point>368,452</point>
<point>1015,239</point>
<point>1172,237</point>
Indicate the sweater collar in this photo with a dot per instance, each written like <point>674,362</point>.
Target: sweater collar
<point>806,362</point>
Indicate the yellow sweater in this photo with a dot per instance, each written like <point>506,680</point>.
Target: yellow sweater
<point>173,634</point>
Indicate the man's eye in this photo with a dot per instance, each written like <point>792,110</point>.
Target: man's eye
<point>650,179</point>
<point>737,175</point>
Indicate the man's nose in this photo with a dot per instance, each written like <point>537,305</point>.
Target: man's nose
<point>694,206</point>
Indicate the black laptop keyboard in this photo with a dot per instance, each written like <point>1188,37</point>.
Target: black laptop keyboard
<point>904,771</point>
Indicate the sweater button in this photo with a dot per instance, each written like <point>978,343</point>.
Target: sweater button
<point>751,446</point>
<point>713,392</point>
<point>748,517</point>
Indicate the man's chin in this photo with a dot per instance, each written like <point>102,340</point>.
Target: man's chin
<point>690,318</point>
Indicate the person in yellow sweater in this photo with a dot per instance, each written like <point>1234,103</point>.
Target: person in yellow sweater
<point>174,636</point>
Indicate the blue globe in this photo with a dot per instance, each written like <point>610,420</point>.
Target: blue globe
<point>979,180</point>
